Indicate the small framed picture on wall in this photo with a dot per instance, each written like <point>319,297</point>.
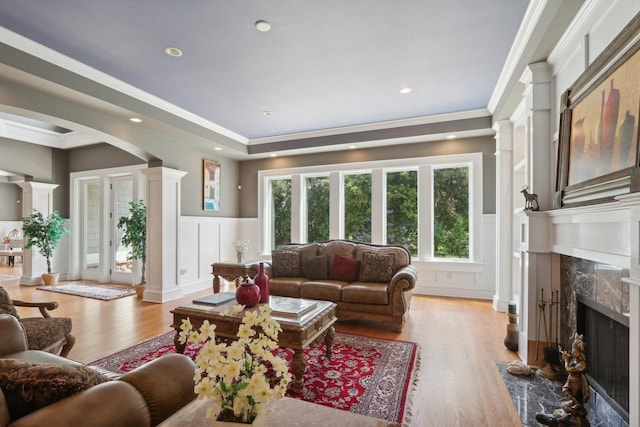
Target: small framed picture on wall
<point>211,185</point>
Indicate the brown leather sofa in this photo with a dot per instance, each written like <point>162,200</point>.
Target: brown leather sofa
<point>143,397</point>
<point>366,281</point>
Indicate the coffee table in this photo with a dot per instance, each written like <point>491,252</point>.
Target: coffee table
<point>297,333</point>
<point>284,412</point>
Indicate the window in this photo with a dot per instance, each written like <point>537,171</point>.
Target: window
<point>430,205</point>
<point>402,209</point>
<point>451,212</point>
<point>317,190</point>
<point>357,207</point>
<point>280,212</point>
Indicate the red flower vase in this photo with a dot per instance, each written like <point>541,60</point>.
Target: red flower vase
<point>248,294</point>
<point>262,281</point>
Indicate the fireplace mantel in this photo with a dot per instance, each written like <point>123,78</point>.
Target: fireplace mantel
<point>607,233</point>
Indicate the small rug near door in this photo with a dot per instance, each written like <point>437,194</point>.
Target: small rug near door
<point>369,376</point>
<point>90,290</point>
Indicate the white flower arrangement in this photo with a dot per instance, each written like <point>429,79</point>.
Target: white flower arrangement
<point>233,375</point>
<point>242,246</point>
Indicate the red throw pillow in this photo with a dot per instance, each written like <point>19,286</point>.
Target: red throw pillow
<point>344,268</point>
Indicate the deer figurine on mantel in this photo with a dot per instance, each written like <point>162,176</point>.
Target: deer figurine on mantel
<point>530,200</point>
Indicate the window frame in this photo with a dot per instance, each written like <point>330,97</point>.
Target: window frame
<point>378,169</point>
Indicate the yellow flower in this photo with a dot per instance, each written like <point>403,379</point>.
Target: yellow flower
<point>234,376</point>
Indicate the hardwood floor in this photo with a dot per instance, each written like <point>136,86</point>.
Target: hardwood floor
<point>460,339</point>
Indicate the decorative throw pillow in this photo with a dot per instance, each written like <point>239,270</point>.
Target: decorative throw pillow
<point>315,267</point>
<point>344,268</point>
<point>285,263</point>
<point>6,304</point>
<point>377,267</point>
<point>29,386</point>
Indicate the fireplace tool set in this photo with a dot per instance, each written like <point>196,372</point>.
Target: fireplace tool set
<point>552,366</point>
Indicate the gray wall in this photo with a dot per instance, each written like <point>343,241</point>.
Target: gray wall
<point>10,209</point>
<point>41,164</point>
<point>100,156</point>
<point>485,145</point>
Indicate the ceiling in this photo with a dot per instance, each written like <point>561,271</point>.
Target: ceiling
<point>323,67</point>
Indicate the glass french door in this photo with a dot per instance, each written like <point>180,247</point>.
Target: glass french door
<point>104,201</point>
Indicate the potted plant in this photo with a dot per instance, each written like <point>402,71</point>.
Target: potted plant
<point>44,234</point>
<point>135,237</point>
<point>240,377</point>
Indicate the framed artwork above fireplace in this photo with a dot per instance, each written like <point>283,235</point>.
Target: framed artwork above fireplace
<point>598,147</point>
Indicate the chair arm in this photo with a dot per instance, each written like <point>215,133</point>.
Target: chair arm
<point>109,404</point>
<point>166,384</point>
<point>13,336</point>
<point>42,306</point>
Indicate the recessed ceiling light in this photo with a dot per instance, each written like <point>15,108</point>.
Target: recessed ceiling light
<point>172,51</point>
<point>135,120</point>
<point>262,26</point>
<point>273,155</point>
<point>405,90</point>
<point>451,137</point>
<point>218,148</point>
<point>267,113</point>
<point>353,147</point>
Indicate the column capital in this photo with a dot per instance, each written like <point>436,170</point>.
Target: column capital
<point>504,135</point>
<point>538,72</point>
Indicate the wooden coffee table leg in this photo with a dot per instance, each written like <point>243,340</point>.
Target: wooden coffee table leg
<point>216,284</point>
<point>298,364</point>
<point>329,339</point>
<point>176,341</point>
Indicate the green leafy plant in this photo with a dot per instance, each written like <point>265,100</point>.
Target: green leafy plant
<point>135,233</point>
<point>44,233</point>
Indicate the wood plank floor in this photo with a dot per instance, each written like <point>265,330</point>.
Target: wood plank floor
<point>460,340</point>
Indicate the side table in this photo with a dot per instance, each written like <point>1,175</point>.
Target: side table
<point>229,271</point>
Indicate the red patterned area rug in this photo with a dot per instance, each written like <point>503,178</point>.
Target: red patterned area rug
<point>369,376</point>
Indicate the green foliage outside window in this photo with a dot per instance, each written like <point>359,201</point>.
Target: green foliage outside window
<point>357,212</point>
<point>451,212</point>
<point>317,209</point>
<point>402,209</point>
<point>281,212</point>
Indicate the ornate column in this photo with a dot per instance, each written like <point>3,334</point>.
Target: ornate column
<point>163,234</point>
<point>35,196</point>
<point>504,214</point>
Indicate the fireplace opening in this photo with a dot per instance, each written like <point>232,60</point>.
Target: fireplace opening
<point>606,335</point>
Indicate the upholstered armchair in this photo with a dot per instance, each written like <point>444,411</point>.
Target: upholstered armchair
<point>46,333</point>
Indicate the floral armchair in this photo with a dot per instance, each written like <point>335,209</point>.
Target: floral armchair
<point>46,333</point>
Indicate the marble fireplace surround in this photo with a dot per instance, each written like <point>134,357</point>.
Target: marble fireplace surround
<point>607,233</point>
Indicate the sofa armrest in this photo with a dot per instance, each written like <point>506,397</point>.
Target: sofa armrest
<point>255,267</point>
<point>404,280</point>
<point>166,384</point>
<point>13,336</point>
<point>114,403</point>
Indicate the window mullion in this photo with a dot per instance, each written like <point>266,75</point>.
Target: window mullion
<point>425,212</point>
<point>377,207</point>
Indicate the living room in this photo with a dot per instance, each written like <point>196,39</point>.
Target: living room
<point>517,139</point>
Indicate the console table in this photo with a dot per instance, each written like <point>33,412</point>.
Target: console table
<point>229,271</point>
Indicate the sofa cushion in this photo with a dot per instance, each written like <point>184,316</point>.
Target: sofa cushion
<point>29,386</point>
<point>366,293</point>
<point>285,286</point>
<point>6,304</point>
<point>377,267</point>
<point>322,290</point>
<point>344,268</point>
<point>285,263</point>
<point>315,267</point>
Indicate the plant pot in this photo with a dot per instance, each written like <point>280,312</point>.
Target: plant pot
<point>139,288</point>
<point>50,278</point>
